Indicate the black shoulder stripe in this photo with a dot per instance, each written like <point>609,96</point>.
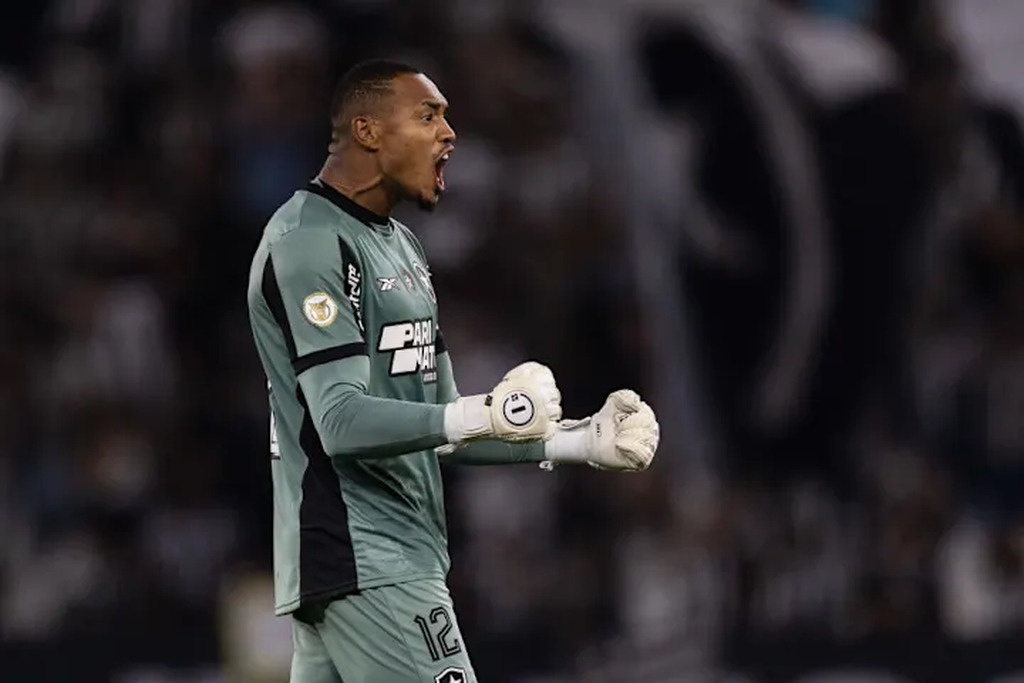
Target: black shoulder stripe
<point>272,295</point>
<point>352,275</point>
<point>439,345</point>
<point>310,360</point>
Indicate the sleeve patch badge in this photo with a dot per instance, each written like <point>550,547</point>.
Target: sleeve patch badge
<point>320,309</point>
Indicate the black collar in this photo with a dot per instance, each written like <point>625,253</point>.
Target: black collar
<point>360,213</point>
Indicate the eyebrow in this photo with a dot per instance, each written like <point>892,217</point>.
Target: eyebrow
<point>435,105</point>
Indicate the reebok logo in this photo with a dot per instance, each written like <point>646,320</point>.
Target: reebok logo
<point>411,344</point>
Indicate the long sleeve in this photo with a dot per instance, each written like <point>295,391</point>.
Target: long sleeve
<point>351,423</point>
<point>487,451</point>
<point>494,452</point>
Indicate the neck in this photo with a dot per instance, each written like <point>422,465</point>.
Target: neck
<point>367,189</point>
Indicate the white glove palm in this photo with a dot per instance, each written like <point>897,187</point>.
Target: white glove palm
<point>524,406</point>
<point>623,435</point>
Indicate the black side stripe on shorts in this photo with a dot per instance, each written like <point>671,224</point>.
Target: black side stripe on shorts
<point>439,345</point>
<point>311,360</point>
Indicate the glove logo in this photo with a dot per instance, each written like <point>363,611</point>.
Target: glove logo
<point>412,347</point>
<point>518,410</point>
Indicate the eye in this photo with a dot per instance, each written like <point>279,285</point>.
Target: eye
<point>427,117</point>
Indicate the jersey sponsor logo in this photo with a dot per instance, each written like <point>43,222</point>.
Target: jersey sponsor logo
<point>354,291</point>
<point>410,281</point>
<point>453,674</point>
<point>320,309</point>
<point>411,344</point>
<point>424,276</point>
<point>386,284</point>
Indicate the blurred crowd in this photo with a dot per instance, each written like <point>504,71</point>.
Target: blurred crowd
<point>795,226</point>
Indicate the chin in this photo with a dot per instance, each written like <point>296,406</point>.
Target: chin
<point>427,202</point>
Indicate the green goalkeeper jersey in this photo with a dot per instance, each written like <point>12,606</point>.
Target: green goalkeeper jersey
<point>345,321</point>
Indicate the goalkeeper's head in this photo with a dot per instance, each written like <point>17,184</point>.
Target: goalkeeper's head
<point>390,138</point>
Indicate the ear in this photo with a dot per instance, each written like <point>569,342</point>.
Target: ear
<point>366,131</point>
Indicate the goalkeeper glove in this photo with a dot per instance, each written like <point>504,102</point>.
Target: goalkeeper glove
<point>524,406</point>
<point>623,435</point>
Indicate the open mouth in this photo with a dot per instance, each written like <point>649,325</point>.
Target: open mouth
<point>439,170</point>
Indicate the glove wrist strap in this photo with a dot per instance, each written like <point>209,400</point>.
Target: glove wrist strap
<point>467,418</point>
<point>568,446</point>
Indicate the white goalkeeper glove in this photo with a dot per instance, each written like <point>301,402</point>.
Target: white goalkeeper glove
<point>525,406</point>
<point>622,436</point>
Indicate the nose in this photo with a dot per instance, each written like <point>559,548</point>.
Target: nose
<point>447,133</point>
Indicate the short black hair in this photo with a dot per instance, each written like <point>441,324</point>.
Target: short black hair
<point>366,81</point>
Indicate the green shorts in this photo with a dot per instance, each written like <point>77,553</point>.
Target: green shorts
<point>404,633</point>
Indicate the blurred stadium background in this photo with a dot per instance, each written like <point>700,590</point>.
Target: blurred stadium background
<point>795,226</point>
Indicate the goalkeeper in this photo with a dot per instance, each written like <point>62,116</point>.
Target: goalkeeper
<point>363,404</point>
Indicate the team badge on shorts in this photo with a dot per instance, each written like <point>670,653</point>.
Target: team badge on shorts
<point>453,674</point>
<point>320,309</point>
